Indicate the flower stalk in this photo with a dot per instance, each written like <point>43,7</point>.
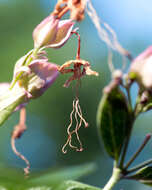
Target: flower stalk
<point>116,175</point>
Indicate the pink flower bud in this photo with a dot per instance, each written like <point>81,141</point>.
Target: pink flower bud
<point>63,33</point>
<point>141,69</point>
<point>45,32</point>
<point>52,33</point>
<point>46,73</point>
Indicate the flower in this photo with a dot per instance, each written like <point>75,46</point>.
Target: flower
<point>141,69</point>
<point>33,82</point>
<point>52,32</point>
<point>80,69</point>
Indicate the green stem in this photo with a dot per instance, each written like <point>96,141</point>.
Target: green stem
<point>147,138</point>
<point>129,98</point>
<point>116,175</point>
<point>126,143</point>
<point>146,163</point>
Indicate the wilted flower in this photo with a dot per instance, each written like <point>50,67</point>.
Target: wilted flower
<point>141,69</point>
<point>80,69</point>
<point>52,32</point>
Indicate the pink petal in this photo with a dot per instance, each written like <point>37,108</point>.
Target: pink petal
<point>145,54</point>
<point>45,32</point>
<point>46,71</point>
<point>63,34</point>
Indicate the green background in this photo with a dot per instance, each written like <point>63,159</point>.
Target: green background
<point>48,116</point>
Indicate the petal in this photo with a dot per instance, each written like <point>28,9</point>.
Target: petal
<point>46,71</point>
<point>21,62</point>
<point>145,54</point>
<point>63,34</point>
<point>45,32</point>
<point>4,87</point>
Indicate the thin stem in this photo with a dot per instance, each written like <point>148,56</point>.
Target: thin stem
<point>116,175</point>
<point>147,138</point>
<point>126,144</point>
<point>22,116</point>
<point>129,97</point>
<point>79,44</point>
<point>139,166</point>
<point>124,152</point>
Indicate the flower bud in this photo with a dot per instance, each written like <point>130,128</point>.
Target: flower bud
<point>45,32</point>
<point>52,33</point>
<point>45,75</point>
<point>63,33</point>
<point>141,69</point>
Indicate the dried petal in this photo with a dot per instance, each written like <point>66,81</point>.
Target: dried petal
<point>80,68</point>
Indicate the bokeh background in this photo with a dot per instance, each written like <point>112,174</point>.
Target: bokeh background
<point>48,116</point>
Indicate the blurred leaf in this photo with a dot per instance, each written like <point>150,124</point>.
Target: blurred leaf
<point>13,180</point>
<point>144,175</point>
<point>112,121</point>
<point>66,185</point>
<point>71,173</point>
<point>40,188</point>
<point>73,185</point>
<point>2,188</point>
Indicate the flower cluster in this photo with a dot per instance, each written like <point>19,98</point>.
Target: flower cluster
<point>34,74</point>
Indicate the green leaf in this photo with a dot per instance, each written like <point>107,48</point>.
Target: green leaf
<point>14,180</point>
<point>66,185</point>
<point>71,173</point>
<point>73,185</point>
<point>143,175</point>
<point>40,188</point>
<point>113,121</point>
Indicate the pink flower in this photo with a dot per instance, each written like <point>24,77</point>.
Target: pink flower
<point>141,69</point>
<point>35,80</point>
<point>52,32</point>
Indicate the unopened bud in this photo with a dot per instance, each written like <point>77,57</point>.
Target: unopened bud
<point>45,32</point>
<point>52,32</point>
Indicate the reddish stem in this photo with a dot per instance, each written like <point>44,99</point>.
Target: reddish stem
<point>79,44</point>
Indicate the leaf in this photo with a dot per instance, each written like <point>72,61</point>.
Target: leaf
<point>71,173</point>
<point>12,178</point>
<point>66,185</point>
<point>40,188</point>
<point>143,175</point>
<point>112,120</point>
<point>73,185</point>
